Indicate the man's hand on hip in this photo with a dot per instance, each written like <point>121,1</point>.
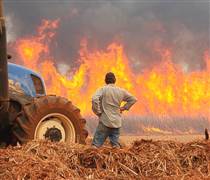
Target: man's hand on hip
<point>122,109</point>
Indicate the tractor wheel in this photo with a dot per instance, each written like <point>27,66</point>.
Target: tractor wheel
<point>50,117</point>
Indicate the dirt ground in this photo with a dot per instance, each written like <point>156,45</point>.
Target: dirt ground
<point>178,138</point>
<point>127,140</point>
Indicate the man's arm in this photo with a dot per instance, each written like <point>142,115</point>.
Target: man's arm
<point>130,99</point>
<point>96,102</point>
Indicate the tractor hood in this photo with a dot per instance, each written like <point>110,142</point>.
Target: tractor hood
<point>25,81</point>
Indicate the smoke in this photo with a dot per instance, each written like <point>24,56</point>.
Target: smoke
<point>141,26</point>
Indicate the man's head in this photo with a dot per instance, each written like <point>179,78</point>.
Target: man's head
<point>110,78</point>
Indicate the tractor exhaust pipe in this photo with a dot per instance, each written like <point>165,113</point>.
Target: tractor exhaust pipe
<point>4,88</point>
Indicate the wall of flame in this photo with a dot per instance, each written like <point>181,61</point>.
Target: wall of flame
<point>163,90</point>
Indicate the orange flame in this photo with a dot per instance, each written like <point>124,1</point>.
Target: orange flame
<point>163,90</point>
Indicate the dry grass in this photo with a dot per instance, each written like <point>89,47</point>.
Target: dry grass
<point>144,159</point>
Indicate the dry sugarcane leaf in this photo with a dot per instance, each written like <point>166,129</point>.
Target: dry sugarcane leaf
<point>144,159</point>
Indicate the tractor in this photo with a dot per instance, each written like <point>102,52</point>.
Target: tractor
<point>26,112</point>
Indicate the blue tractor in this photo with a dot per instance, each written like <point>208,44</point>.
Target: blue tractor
<point>26,112</point>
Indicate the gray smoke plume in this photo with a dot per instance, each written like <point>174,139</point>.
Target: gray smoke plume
<point>141,26</point>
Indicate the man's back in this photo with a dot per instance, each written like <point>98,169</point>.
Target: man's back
<point>107,102</point>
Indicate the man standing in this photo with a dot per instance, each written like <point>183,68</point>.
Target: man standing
<point>106,104</point>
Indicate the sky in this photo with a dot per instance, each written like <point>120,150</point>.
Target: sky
<point>141,26</point>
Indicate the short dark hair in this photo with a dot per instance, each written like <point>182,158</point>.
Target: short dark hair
<point>110,78</point>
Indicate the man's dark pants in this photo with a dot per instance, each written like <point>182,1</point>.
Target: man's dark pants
<point>102,132</point>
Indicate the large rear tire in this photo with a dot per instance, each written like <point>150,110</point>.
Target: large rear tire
<point>50,117</point>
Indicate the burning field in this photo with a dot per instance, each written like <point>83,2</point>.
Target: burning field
<point>170,99</point>
<point>144,159</point>
<point>163,90</point>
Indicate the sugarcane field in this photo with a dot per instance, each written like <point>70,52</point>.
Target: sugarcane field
<point>104,89</point>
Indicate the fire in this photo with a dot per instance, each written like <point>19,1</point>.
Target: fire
<point>30,49</point>
<point>164,90</point>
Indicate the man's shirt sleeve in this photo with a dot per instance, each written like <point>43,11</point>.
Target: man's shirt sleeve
<point>96,102</point>
<point>129,98</point>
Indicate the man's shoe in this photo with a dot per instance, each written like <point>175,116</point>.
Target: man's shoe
<point>94,147</point>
